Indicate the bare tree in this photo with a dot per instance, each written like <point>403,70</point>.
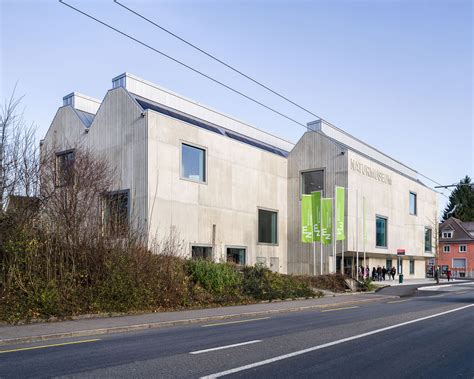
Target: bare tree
<point>71,193</point>
<point>19,158</point>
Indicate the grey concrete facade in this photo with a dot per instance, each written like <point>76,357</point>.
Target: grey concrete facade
<point>140,129</point>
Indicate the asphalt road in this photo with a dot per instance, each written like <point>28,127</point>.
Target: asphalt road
<point>428,335</point>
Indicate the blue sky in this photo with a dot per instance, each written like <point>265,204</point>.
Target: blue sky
<point>396,74</point>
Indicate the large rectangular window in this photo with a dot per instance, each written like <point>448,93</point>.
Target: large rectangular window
<point>65,168</point>
<point>236,255</point>
<point>312,181</point>
<point>193,163</point>
<point>413,204</point>
<point>459,263</point>
<point>267,226</point>
<point>201,252</point>
<point>428,239</point>
<point>381,231</point>
<point>116,213</point>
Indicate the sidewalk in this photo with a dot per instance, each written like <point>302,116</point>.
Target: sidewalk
<point>95,326</point>
<point>411,282</point>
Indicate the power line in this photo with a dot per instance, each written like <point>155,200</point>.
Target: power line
<point>211,78</point>
<point>154,23</point>
<point>219,60</point>
<point>183,64</point>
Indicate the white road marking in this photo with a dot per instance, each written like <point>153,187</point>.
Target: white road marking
<point>225,347</point>
<point>235,322</point>
<point>329,344</point>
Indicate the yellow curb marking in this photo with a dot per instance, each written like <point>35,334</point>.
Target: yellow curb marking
<point>397,301</point>
<point>235,322</point>
<point>45,346</point>
<point>338,309</point>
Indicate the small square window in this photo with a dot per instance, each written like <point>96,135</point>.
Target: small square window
<point>201,252</point>
<point>193,163</point>
<point>413,204</point>
<point>462,248</point>
<point>448,234</point>
<point>446,248</point>
<point>236,255</point>
<point>312,181</point>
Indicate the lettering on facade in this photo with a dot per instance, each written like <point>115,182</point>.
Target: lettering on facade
<point>370,172</point>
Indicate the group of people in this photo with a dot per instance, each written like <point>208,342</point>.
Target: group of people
<point>378,274</point>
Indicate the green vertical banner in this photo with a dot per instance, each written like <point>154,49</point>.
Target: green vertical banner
<point>316,203</point>
<point>306,219</point>
<point>326,221</point>
<point>340,209</point>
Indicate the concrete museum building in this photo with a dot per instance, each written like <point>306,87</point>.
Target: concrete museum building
<point>233,192</point>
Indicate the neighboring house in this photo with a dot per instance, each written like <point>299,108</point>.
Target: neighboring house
<point>233,192</point>
<point>456,248</point>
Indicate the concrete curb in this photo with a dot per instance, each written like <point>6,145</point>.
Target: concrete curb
<point>164,324</point>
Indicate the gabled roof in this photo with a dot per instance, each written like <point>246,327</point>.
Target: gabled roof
<point>461,233</point>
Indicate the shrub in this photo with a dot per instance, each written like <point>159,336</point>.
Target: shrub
<point>223,280</point>
<point>261,283</point>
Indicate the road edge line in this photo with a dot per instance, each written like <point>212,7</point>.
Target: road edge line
<point>165,324</point>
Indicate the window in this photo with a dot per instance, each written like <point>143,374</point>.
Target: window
<point>447,248</point>
<point>381,231</point>
<point>428,239</point>
<point>388,264</point>
<point>448,234</point>
<point>412,266</point>
<point>462,248</point>
<point>413,203</point>
<point>65,168</point>
<point>119,82</point>
<point>312,181</point>
<point>236,255</point>
<point>459,263</point>
<point>193,163</point>
<point>67,100</point>
<point>116,213</point>
<point>201,252</point>
<point>267,227</point>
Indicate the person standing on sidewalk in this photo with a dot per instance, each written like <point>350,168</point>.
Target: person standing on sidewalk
<point>448,274</point>
<point>436,275</point>
<point>393,272</point>
<point>384,272</point>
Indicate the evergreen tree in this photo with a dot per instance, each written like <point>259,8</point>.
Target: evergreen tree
<point>461,201</point>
